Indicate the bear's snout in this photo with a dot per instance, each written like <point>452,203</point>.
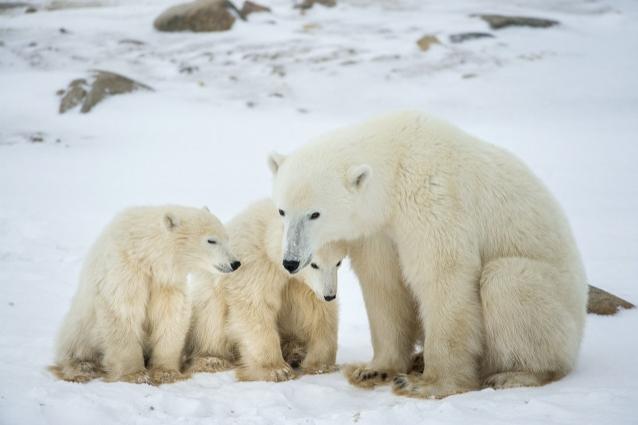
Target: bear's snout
<point>235,265</point>
<point>329,297</point>
<point>291,265</point>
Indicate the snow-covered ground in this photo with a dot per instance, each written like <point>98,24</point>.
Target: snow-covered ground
<point>565,99</point>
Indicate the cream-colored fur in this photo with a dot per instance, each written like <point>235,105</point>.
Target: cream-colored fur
<point>448,231</point>
<point>133,301</point>
<point>246,317</point>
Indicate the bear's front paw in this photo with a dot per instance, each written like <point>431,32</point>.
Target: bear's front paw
<point>209,364</point>
<point>363,376</point>
<point>417,386</point>
<point>140,377</point>
<point>161,376</point>
<point>318,368</point>
<point>271,374</point>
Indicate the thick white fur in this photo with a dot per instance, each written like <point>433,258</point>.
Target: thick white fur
<point>448,231</point>
<point>248,316</point>
<point>133,300</point>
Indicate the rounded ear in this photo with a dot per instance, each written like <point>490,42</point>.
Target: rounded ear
<point>205,208</point>
<point>358,176</point>
<point>274,162</point>
<point>170,221</point>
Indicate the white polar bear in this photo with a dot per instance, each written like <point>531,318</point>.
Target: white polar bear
<point>133,299</point>
<point>251,315</point>
<point>445,229</point>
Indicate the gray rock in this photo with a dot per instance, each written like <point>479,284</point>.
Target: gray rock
<point>467,36</point>
<point>603,303</point>
<point>102,85</point>
<point>7,7</point>
<point>497,22</point>
<point>198,16</point>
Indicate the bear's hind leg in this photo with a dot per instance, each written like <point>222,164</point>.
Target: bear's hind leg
<point>534,316</point>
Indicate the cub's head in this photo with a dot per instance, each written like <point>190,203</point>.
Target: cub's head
<point>321,276</point>
<point>319,202</point>
<point>200,240</point>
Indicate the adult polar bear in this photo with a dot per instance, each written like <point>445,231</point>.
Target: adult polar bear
<point>445,228</point>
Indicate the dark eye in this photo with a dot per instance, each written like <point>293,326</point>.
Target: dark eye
<point>314,216</point>
<point>314,266</point>
<point>282,213</point>
<point>212,241</point>
<point>339,263</point>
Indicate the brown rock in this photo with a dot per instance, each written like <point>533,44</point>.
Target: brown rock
<point>198,16</point>
<point>604,303</point>
<point>427,41</point>
<point>497,22</point>
<point>252,7</point>
<point>104,84</point>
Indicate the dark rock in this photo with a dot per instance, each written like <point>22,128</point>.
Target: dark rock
<point>466,36</point>
<point>497,22</point>
<point>198,16</point>
<point>603,303</point>
<point>12,5</point>
<point>131,41</point>
<point>63,30</point>
<point>252,7</point>
<point>103,84</point>
<point>30,9</point>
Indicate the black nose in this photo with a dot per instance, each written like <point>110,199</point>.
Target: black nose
<point>235,265</point>
<point>329,297</point>
<point>291,266</point>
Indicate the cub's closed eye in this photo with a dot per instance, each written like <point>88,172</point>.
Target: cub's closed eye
<point>339,263</point>
<point>282,213</point>
<point>314,216</point>
<point>314,266</point>
<point>212,241</point>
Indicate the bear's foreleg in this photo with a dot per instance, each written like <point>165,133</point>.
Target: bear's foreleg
<point>391,309</point>
<point>452,318</point>
<point>169,313</point>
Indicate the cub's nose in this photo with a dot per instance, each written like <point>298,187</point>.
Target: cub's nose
<point>329,297</point>
<point>235,265</point>
<point>291,266</point>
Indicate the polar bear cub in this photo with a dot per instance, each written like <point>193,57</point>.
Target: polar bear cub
<point>133,303</point>
<point>250,315</point>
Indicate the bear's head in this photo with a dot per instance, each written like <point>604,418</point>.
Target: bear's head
<point>200,241</point>
<point>320,200</point>
<point>321,276</point>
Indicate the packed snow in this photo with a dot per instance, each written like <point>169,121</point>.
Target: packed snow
<point>565,99</point>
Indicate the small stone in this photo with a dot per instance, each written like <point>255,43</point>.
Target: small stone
<point>466,36</point>
<point>30,9</point>
<point>132,41</point>
<point>468,76</point>
<point>497,22</point>
<point>603,303</point>
<point>12,304</point>
<point>307,4</point>
<point>426,42</point>
<point>36,138</point>
<point>63,31</point>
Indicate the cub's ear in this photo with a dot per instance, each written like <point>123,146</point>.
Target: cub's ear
<point>274,162</point>
<point>205,208</point>
<point>358,176</point>
<point>170,221</point>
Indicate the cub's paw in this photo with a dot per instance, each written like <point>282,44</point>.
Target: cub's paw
<point>209,364</point>
<point>271,374</point>
<point>318,368</point>
<point>294,354</point>
<point>139,377</point>
<point>363,376</point>
<point>161,376</point>
<point>416,386</point>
